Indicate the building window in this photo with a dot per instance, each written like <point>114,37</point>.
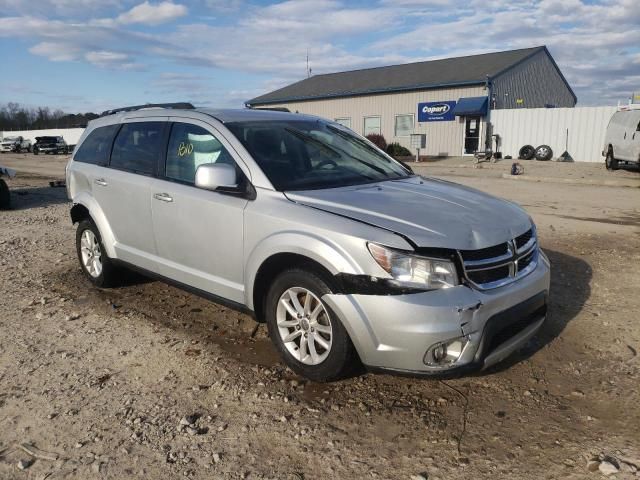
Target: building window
<point>345,121</point>
<point>372,126</point>
<point>404,125</point>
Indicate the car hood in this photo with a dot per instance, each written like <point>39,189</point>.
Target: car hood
<point>430,212</point>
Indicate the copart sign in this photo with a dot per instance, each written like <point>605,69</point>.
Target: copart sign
<point>436,111</point>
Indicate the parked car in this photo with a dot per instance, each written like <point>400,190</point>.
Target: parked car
<point>50,145</point>
<point>622,140</point>
<point>344,253</point>
<point>15,144</point>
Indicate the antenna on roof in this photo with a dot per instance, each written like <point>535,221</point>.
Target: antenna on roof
<point>308,69</point>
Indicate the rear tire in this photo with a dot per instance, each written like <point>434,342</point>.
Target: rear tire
<point>610,161</point>
<point>95,263</point>
<point>5,196</point>
<point>319,347</point>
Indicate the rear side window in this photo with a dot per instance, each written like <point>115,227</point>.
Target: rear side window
<point>138,146</point>
<point>96,147</point>
<point>189,147</point>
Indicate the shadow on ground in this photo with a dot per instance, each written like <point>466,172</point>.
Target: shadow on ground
<point>34,197</point>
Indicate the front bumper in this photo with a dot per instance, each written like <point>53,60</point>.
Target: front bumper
<point>394,332</point>
<point>4,148</point>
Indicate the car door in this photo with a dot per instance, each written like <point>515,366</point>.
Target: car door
<point>627,131</point>
<point>123,190</point>
<point>199,233</point>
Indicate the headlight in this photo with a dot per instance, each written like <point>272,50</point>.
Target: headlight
<point>414,271</point>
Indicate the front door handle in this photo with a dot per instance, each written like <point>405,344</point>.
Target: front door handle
<point>100,181</point>
<point>164,197</point>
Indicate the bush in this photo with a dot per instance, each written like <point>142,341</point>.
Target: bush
<point>397,150</point>
<point>378,140</point>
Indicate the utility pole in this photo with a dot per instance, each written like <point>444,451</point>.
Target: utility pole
<point>308,69</point>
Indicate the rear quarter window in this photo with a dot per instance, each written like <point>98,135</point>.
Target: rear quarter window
<point>97,146</point>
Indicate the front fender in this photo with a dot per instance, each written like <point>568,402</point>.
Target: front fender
<point>319,249</point>
<point>99,218</point>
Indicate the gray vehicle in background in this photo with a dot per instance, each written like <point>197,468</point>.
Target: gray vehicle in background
<point>346,254</point>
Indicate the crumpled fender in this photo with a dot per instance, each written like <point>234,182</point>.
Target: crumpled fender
<point>322,250</point>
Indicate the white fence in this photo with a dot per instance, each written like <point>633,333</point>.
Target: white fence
<point>71,135</point>
<point>581,129</point>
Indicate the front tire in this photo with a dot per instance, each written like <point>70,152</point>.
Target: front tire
<point>95,263</point>
<point>610,161</point>
<point>307,333</point>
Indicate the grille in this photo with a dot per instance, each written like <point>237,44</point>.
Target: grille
<point>522,240</point>
<point>498,265</point>
<point>485,253</point>
<point>525,261</point>
<point>514,328</point>
<point>489,276</point>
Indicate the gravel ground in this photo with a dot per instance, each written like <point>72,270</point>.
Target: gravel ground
<point>146,381</point>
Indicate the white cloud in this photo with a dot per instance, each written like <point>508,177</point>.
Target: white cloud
<point>595,44</point>
<point>153,14</point>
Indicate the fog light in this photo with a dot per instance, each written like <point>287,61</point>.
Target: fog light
<point>445,353</point>
<point>439,352</point>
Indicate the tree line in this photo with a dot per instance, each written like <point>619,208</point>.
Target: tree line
<point>14,116</point>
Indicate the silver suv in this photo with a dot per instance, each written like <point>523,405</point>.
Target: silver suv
<point>346,254</point>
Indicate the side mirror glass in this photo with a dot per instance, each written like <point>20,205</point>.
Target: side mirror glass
<point>211,176</point>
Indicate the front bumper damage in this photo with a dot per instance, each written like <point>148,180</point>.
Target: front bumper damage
<point>394,332</point>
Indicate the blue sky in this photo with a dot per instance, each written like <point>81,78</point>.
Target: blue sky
<point>90,55</point>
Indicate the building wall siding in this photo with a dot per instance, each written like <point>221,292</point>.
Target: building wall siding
<point>579,130</point>
<point>443,138</point>
<point>536,81</point>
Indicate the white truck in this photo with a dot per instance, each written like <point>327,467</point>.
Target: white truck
<point>15,144</point>
<point>622,140</point>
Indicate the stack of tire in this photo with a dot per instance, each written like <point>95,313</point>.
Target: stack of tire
<point>542,152</point>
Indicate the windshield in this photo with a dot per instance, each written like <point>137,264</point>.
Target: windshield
<point>10,139</point>
<point>308,155</point>
<point>46,139</point>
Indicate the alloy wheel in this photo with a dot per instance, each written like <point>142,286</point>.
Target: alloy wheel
<point>304,326</point>
<point>91,253</point>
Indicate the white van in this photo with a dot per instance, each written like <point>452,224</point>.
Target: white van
<point>622,141</point>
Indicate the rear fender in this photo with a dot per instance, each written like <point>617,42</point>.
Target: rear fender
<point>99,218</point>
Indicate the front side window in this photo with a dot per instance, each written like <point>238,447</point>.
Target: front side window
<point>96,147</point>
<point>137,147</point>
<point>189,147</point>
<point>372,126</point>
<point>404,125</point>
<point>305,155</point>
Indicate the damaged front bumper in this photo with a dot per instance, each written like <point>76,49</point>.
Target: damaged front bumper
<point>394,332</point>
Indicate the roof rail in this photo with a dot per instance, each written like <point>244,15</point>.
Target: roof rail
<point>180,106</point>
<point>273,109</point>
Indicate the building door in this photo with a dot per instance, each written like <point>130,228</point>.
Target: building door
<point>471,135</point>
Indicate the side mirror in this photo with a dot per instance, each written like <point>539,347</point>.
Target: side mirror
<point>212,176</point>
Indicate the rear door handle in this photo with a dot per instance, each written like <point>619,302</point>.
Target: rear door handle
<point>100,181</point>
<point>164,197</point>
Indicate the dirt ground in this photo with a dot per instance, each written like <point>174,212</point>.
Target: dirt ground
<point>147,381</point>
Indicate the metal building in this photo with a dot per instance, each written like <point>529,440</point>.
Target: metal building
<point>449,100</point>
